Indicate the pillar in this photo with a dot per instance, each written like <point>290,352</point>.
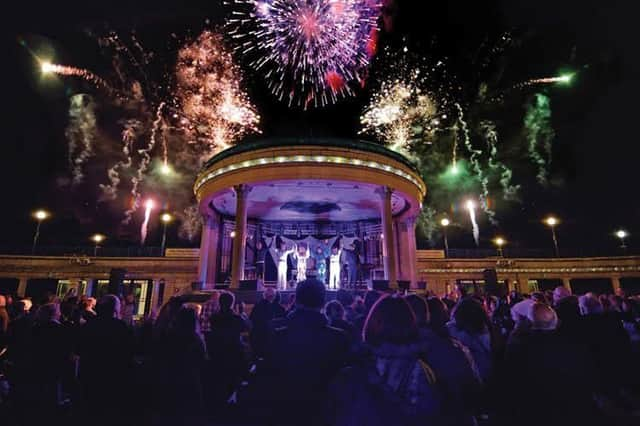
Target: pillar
<point>413,251</point>
<point>523,284</point>
<point>240,240</point>
<point>155,294</point>
<point>615,283</point>
<point>566,283</point>
<point>208,251</point>
<point>389,248</point>
<point>22,287</point>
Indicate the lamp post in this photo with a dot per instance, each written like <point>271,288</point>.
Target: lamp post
<point>97,239</point>
<point>622,235</point>
<point>500,242</point>
<point>445,224</point>
<point>552,222</point>
<point>39,215</point>
<point>166,218</point>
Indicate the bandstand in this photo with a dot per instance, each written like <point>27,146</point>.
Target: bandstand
<point>313,197</point>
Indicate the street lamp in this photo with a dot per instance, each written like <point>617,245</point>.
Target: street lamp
<point>499,242</point>
<point>552,222</point>
<point>166,218</point>
<point>445,224</point>
<point>97,239</point>
<point>622,235</point>
<point>39,216</point>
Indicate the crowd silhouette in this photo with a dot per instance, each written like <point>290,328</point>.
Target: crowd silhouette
<point>369,358</point>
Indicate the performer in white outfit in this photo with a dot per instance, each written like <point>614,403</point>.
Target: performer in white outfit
<point>280,254</point>
<point>334,268</point>
<point>302,263</point>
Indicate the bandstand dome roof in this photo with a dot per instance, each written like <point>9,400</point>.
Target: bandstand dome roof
<point>307,179</point>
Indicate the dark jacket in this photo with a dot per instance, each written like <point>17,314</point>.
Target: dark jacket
<point>391,387</point>
<point>261,316</point>
<point>558,374</point>
<point>303,357</point>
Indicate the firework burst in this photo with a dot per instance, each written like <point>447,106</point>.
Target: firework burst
<point>312,52</point>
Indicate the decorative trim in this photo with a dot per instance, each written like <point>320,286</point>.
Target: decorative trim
<point>532,270</point>
<point>306,159</point>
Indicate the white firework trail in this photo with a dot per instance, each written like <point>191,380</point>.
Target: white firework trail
<point>144,164</point>
<point>80,133</point>
<point>472,215</point>
<point>129,135</point>
<point>145,225</point>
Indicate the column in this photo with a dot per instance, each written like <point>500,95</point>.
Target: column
<point>240,240</point>
<point>389,253</point>
<point>412,251</point>
<point>208,251</point>
<point>154,294</point>
<point>566,283</point>
<point>615,284</point>
<point>523,284</point>
<point>22,287</point>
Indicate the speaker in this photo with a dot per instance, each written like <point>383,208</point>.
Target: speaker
<point>116,276</point>
<point>380,285</point>
<point>248,285</point>
<point>221,286</point>
<point>404,284</point>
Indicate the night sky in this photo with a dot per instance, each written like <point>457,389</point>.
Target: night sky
<point>595,155</point>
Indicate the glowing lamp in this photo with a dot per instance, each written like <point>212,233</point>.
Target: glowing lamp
<point>166,217</point>
<point>41,215</point>
<point>551,221</point>
<point>98,238</point>
<point>445,222</point>
<point>499,241</point>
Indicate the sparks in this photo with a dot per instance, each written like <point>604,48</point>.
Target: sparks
<point>149,204</point>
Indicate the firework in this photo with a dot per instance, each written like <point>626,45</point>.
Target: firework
<point>49,68</point>
<point>409,107</point>
<point>215,110</point>
<point>145,225</point>
<point>312,52</point>
<point>80,133</point>
<point>471,207</point>
<point>539,134</point>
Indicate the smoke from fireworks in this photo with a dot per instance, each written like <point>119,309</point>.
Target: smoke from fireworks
<point>148,206</point>
<point>80,133</point>
<point>311,51</point>
<point>539,134</point>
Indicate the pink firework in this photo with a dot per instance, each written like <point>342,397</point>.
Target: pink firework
<point>312,52</point>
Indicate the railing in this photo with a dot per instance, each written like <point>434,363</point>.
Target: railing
<point>89,251</point>
<point>481,253</point>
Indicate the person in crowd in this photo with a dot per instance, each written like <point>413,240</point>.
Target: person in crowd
<point>208,309</point>
<point>453,365</point>
<point>179,368</point>
<point>4,321</point>
<point>346,299</point>
<point>471,326</point>
<point>609,344</point>
<point>166,317</point>
<point>225,349</point>
<point>45,360</point>
<point>87,309</point>
<point>336,315</point>
<point>263,313</point>
<point>540,365</point>
<point>392,385</point>
<point>106,350</point>
<point>128,309</point>
<point>370,298</point>
<point>631,322</point>
<point>438,316</point>
<point>559,293</point>
<point>302,358</point>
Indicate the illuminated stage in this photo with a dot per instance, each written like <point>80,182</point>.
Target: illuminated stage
<point>352,199</point>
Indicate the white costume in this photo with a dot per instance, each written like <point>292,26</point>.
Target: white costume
<point>302,266</point>
<point>334,270</point>
<point>280,256</point>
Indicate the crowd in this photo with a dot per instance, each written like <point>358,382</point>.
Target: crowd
<point>362,359</point>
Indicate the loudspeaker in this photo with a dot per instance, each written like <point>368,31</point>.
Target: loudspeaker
<point>404,284</point>
<point>221,286</point>
<point>116,276</point>
<point>380,285</point>
<point>197,285</point>
<point>248,285</point>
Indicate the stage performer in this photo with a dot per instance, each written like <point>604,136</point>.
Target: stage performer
<point>261,249</point>
<point>320,260</point>
<point>302,254</point>
<point>334,268</point>
<point>280,255</point>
